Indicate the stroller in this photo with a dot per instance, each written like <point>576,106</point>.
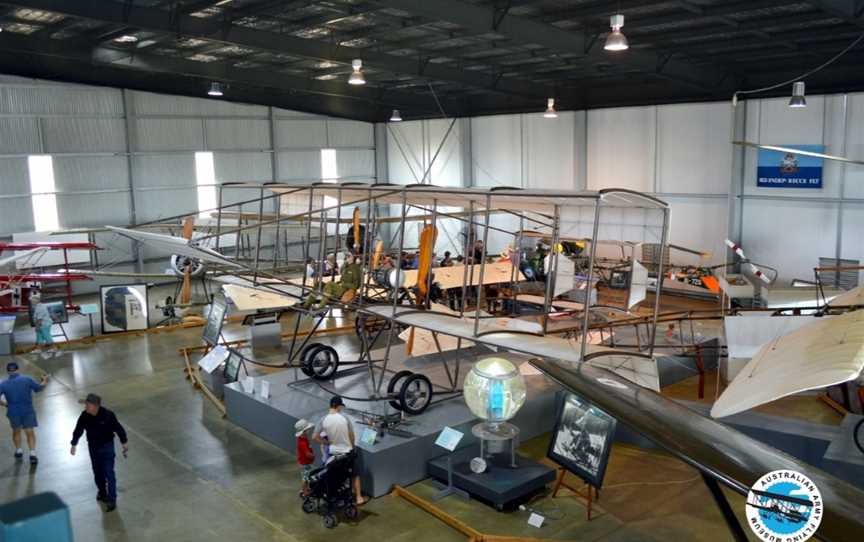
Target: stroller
<point>330,490</point>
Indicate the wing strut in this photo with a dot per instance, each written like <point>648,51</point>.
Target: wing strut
<point>728,515</point>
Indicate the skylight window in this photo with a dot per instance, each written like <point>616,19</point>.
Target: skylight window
<point>205,178</point>
<point>43,193</point>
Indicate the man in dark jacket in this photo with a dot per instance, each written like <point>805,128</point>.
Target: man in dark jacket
<point>101,425</point>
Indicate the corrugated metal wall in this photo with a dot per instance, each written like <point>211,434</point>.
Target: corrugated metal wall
<point>122,157</point>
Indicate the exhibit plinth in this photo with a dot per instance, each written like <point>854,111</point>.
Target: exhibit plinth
<point>500,485</point>
<point>493,436</point>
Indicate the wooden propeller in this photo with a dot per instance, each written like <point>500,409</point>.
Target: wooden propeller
<point>186,293</point>
<point>424,268</point>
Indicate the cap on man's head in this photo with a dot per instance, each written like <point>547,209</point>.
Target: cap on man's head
<point>93,399</point>
<point>336,401</point>
<point>11,367</point>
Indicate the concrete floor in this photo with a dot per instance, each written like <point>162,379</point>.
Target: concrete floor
<point>193,476</point>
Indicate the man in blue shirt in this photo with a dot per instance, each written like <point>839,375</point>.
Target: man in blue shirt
<point>17,392</point>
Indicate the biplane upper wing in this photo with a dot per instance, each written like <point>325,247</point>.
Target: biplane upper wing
<point>175,245</point>
<point>823,353</point>
<point>32,253</point>
<point>714,448</point>
<point>496,332</point>
<point>451,277</point>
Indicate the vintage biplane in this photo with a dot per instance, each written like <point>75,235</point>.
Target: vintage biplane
<point>392,302</point>
<point>436,309</point>
<point>29,274</point>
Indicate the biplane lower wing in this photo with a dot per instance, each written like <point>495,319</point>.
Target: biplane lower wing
<point>247,296</point>
<point>714,448</point>
<point>174,245</point>
<point>853,297</point>
<point>825,352</point>
<point>496,333</point>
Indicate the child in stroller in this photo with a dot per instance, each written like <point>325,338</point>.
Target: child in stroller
<point>330,490</point>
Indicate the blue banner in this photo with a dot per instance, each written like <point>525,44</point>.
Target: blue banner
<point>777,169</point>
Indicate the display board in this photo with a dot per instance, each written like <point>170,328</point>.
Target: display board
<point>778,169</point>
<point>124,307</point>
<point>582,439</point>
<point>215,319</point>
<point>232,366</point>
<point>213,359</point>
<point>57,310</point>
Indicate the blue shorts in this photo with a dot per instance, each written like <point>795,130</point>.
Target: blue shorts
<point>26,421</point>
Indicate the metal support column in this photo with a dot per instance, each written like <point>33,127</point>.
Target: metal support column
<point>553,271</point>
<point>586,317</point>
<point>658,291</point>
<point>735,528</point>
<point>482,263</point>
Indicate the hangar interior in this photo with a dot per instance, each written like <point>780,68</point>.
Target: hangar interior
<point>228,116</point>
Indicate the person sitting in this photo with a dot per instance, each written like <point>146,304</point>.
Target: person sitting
<point>349,281</point>
<point>310,268</point>
<point>446,261</point>
<point>331,266</point>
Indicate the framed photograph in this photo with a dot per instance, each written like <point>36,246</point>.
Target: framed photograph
<point>582,439</point>
<point>57,310</point>
<point>215,318</point>
<point>125,307</point>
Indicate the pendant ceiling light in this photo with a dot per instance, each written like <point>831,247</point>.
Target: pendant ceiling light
<point>395,117</point>
<point>356,75</point>
<point>550,109</point>
<point>215,89</point>
<point>797,100</point>
<point>616,40</point>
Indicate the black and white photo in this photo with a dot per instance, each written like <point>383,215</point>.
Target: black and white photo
<point>582,439</point>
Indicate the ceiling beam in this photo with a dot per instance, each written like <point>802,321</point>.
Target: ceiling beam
<point>481,19</point>
<point>522,30</point>
<point>849,10</point>
<point>205,72</point>
<point>64,69</point>
<point>157,20</point>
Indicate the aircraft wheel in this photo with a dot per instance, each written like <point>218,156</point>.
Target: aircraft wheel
<point>351,512</point>
<point>858,435</point>
<point>305,354</point>
<point>394,384</point>
<point>415,394</point>
<point>321,363</point>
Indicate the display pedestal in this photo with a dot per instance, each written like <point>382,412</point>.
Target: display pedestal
<point>590,496</point>
<point>449,489</point>
<point>499,434</point>
<point>502,486</point>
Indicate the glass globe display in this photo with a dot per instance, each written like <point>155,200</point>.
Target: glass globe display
<point>494,390</point>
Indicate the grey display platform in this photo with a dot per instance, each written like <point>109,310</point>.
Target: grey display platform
<point>392,459</point>
<point>501,485</point>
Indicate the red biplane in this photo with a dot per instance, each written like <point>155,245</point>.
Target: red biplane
<point>15,288</point>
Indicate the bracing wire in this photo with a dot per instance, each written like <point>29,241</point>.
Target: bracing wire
<point>805,74</point>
